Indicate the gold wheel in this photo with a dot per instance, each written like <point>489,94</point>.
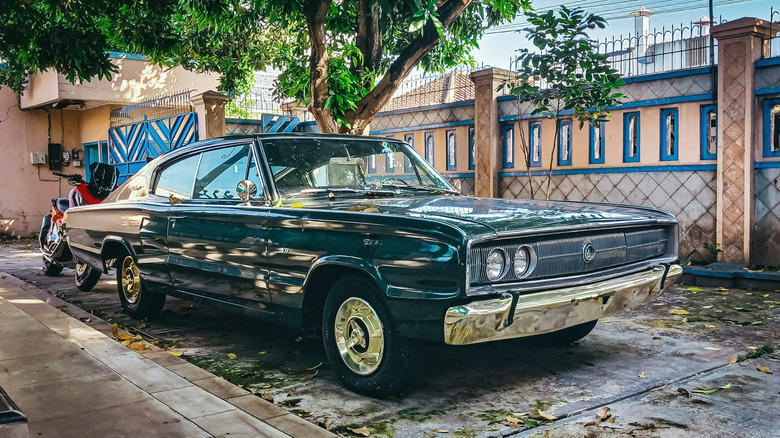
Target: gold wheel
<point>131,280</point>
<point>359,336</point>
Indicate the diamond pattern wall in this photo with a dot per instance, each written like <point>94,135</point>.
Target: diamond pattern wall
<point>690,196</point>
<point>423,117</point>
<point>466,184</point>
<point>232,128</point>
<point>768,77</point>
<point>765,241</point>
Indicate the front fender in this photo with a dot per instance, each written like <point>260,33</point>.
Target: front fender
<point>356,263</point>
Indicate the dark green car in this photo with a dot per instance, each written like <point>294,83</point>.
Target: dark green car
<point>361,240</point>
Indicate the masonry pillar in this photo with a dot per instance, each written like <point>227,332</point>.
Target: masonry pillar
<point>487,132</point>
<point>210,108</point>
<point>740,44</point>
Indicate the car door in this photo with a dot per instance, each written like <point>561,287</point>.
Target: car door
<point>217,242</point>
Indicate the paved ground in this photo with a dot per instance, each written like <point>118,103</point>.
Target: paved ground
<point>482,390</point>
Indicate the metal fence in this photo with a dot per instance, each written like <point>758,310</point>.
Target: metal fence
<point>165,105</point>
<point>774,25</point>
<point>434,89</point>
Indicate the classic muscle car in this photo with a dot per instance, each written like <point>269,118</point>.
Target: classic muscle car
<point>360,240</point>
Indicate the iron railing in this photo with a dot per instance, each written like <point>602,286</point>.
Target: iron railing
<point>434,89</point>
<point>165,105</point>
<point>774,24</point>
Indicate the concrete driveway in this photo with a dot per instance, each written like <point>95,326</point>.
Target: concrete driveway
<point>645,366</point>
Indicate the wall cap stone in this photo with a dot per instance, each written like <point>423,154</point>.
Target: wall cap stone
<point>744,27</point>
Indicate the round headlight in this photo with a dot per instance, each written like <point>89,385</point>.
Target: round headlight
<point>495,268</point>
<point>522,261</point>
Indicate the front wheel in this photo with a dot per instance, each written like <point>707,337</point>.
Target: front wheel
<point>361,340</point>
<point>137,301</point>
<point>86,276</point>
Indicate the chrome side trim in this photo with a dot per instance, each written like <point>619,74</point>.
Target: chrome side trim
<point>548,311</point>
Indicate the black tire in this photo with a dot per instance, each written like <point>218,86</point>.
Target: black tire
<point>377,361</point>
<point>51,269</point>
<point>568,335</point>
<point>86,276</point>
<point>135,298</point>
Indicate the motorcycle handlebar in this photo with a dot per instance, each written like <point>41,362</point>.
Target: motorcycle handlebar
<point>71,177</point>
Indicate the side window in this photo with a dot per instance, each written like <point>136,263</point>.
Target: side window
<point>772,128</point>
<point>178,178</point>
<point>669,142</point>
<point>564,142</point>
<point>709,132</point>
<point>535,147</point>
<point>631,136</point>
<point>220,171</point>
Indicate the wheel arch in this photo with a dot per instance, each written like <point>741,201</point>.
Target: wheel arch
<point>113,247</point>
<point>322,276</point>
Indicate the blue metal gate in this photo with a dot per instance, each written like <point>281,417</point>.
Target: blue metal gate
<point>130,146</point>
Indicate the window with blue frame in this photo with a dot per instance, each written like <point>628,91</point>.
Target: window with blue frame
<point>452,150</point>
<point>429,148</point>
<point>472,156</point>
<point>389,160</point>
<point>564,142</point>
<point>409,138</point>
<point>669,130</point>
<point>508,140</point>
<point>535,144</point>
<point>772,128</point>
<point>372,163</point>
<point>709,132</point>
<point>597,142</point>
<point>631,132</point>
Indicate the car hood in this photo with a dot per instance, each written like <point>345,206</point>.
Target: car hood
<point>481,215</point>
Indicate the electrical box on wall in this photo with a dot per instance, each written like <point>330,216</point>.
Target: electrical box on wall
<point>37,158</point>
<point>55,156</point>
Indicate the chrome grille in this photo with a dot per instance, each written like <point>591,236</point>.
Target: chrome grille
<point>564,256</point>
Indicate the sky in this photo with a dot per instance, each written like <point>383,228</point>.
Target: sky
<point>498,46</point>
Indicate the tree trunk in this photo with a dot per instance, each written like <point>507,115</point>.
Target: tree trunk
<point>319,63</point>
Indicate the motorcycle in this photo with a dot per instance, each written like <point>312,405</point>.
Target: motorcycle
<point>52,239</point>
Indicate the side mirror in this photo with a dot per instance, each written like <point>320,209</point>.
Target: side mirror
<point>246,190</point>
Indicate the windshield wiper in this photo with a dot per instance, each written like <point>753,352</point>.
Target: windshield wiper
<point>430,189</point>
<point>333,192</point>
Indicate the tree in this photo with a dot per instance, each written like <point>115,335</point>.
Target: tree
<point>565,71</point>
<point>344,59</point>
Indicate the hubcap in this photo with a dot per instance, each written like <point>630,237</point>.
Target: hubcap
<point>81,269</point>
<point>359,336</point>
<point>131,280</point>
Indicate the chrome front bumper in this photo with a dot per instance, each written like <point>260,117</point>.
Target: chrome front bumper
<point>544,312</point>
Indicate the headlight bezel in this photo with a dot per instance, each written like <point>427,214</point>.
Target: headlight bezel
<point>504,264</point>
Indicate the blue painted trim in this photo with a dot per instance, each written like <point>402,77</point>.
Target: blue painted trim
<point>453,145</point>
<point>533,127</point>
<point>703,129</point>
<point>245,121</point>
<point>666,112</point>
<point>627,137</point>
<point>421,127</point>
<point>430,151</point>
<point>372,163</point>
<point>591,144</point>
<point>768,61</point>
<point>506,97</point>
<point>564,142</point>
<point>409,139</point>
<point>627,105</point>
<point>509,155</point>
<point>767,164</point>
<point>768,104</point>
<point>458,175</point>
<point>472,158</point>
<point>313,122</point>
<point>469,102</point>
<point>131,56</point>
<point>605,170</point>
<point>736,273</point>
<point>768,90</point>
<point>667,75</point>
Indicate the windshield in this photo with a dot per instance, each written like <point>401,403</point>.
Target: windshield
<point>341,166</point>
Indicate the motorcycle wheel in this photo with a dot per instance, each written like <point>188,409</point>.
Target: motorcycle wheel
<point>86,276</point>
<point>51,269</point>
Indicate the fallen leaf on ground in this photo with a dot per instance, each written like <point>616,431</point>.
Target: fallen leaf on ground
<point>612,420</point>
<point>763,369</point>
<point>308,376</point>
<point>362,431</point>
<point>712,348</point>
<point>706,307</point>
<point>684,392</point>
<point>301,413</point>
<point>700,402</point>
<point>513,420</point>
<point>733,360</point>
<point>678,312</point>
<point>290,403</point>
<point>291,393</point>
<point>137,346</point>
<point>602,414</point>
<point>267,397</point>
<point>546,416</point>
<point>440,430</point>
<point>709,326</point>
<point>695,289</point>
<point>314,367</point>
<point>659,388</point>
<point>642,375</point>
<point>262,352</point>
<point>117,335</point>
<point>710,391</point>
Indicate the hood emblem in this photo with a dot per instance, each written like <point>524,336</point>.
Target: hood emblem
<point>588,252</point>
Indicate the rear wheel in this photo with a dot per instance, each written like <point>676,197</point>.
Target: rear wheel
<point>86,276</point>
<point>361,340</point>
<point>137,301</point>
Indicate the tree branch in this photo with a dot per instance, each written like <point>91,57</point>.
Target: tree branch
<point>372,102</point>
